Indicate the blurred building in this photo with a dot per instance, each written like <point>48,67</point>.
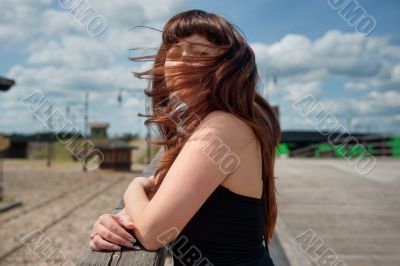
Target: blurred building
<point>118,155</point>
<point>98,130</point>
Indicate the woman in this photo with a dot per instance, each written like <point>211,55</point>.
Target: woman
<point>212,197</point>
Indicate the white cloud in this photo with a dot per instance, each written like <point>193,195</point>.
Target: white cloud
<point>373,103</point>
<point>21,20</point>
<point>63,62</point>
<point>297,91</point>
<point>372,61</point>
<point>74,52</point>
<point>356,86</point>
<point>369,66</point>
<point>376,102</point>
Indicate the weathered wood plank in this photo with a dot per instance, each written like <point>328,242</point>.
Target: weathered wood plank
<point>137,255</point>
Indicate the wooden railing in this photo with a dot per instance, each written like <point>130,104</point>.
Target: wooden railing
<point>137,255</point>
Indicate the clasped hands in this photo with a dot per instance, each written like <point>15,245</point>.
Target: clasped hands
<point>111,231</point>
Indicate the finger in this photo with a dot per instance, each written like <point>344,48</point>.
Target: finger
<point>115,227</point>
<point>109,236</point>
<point>99,244</point>
<point>153,179</point>
<point>126,221</point>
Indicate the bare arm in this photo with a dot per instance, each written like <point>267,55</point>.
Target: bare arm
<point>195,174</point>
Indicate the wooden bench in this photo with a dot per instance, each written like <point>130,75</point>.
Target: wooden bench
<point>137,255</point>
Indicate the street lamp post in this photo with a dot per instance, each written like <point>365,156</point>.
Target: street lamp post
<point>50,147</point>
<point>85,108</point>
<point>86,118</point>
<point>272,73</point>
<point>121,90</point>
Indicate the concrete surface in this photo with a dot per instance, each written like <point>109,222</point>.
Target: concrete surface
<point>326,205</point>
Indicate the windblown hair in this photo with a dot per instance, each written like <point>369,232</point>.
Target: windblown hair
<point>224,79</point>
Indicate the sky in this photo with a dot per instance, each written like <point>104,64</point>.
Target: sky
<point>349,66</point>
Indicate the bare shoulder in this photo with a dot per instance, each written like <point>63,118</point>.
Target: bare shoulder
<point>227,127</point>
<point>219,114</point>
<point>229,122</point>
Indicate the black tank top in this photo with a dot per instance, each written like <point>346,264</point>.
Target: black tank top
<point>228,229</point>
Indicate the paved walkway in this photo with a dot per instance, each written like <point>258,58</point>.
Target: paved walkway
<point>327,203</point>
<point>321,202</point>
<point>59,208</point>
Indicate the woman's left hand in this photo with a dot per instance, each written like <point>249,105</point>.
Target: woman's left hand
<point>111,231</point>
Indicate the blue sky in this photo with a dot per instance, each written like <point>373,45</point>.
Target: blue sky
<point>307,44</point>
<point>269,21</point>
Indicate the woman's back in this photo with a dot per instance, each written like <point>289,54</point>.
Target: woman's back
<point>246,179</point>
<point>234,237</point>
<point>228,229</point>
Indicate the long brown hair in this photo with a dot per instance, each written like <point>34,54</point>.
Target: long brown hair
<point>226,80</point>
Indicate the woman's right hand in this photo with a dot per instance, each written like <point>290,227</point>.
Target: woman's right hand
<point>110,232</point>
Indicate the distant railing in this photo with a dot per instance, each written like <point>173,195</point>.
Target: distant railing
<point>372,145</point>
<point>137,255</point>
